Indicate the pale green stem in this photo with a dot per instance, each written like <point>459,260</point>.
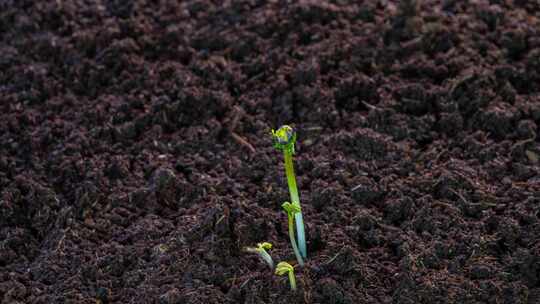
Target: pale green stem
<point>292,280</point>
<point>293,190</point>
<point>293,241</point>
<point>268,259</point>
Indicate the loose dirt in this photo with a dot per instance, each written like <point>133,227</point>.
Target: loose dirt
<point>136,159</point>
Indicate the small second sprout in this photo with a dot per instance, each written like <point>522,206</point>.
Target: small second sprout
<point>263,254</point>
<point>286,268</point>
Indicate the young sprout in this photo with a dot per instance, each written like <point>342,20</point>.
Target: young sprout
<point>284,140</point>
<point>286,268</point>
<point>291,211</point>
<point>261,251</point>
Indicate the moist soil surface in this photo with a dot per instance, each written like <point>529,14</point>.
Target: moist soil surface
<point>136,161</point>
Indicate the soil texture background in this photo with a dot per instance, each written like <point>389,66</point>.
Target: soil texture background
<point>136,161</point>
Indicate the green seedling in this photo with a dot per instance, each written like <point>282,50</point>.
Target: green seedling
<point>286,268</point>
<point>284,140</point>
<point>291,211</point>
<point>263,254</point>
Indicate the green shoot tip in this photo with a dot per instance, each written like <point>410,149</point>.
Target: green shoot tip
<point>264,245</point>
<point>284,138</point>
<point>284,268</point>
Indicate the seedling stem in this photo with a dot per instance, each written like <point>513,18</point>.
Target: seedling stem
<point>285,139</point>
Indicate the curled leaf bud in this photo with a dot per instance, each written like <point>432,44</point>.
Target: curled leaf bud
<point>284,138</point>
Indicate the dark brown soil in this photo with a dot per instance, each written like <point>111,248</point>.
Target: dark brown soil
<point>136,161</point>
